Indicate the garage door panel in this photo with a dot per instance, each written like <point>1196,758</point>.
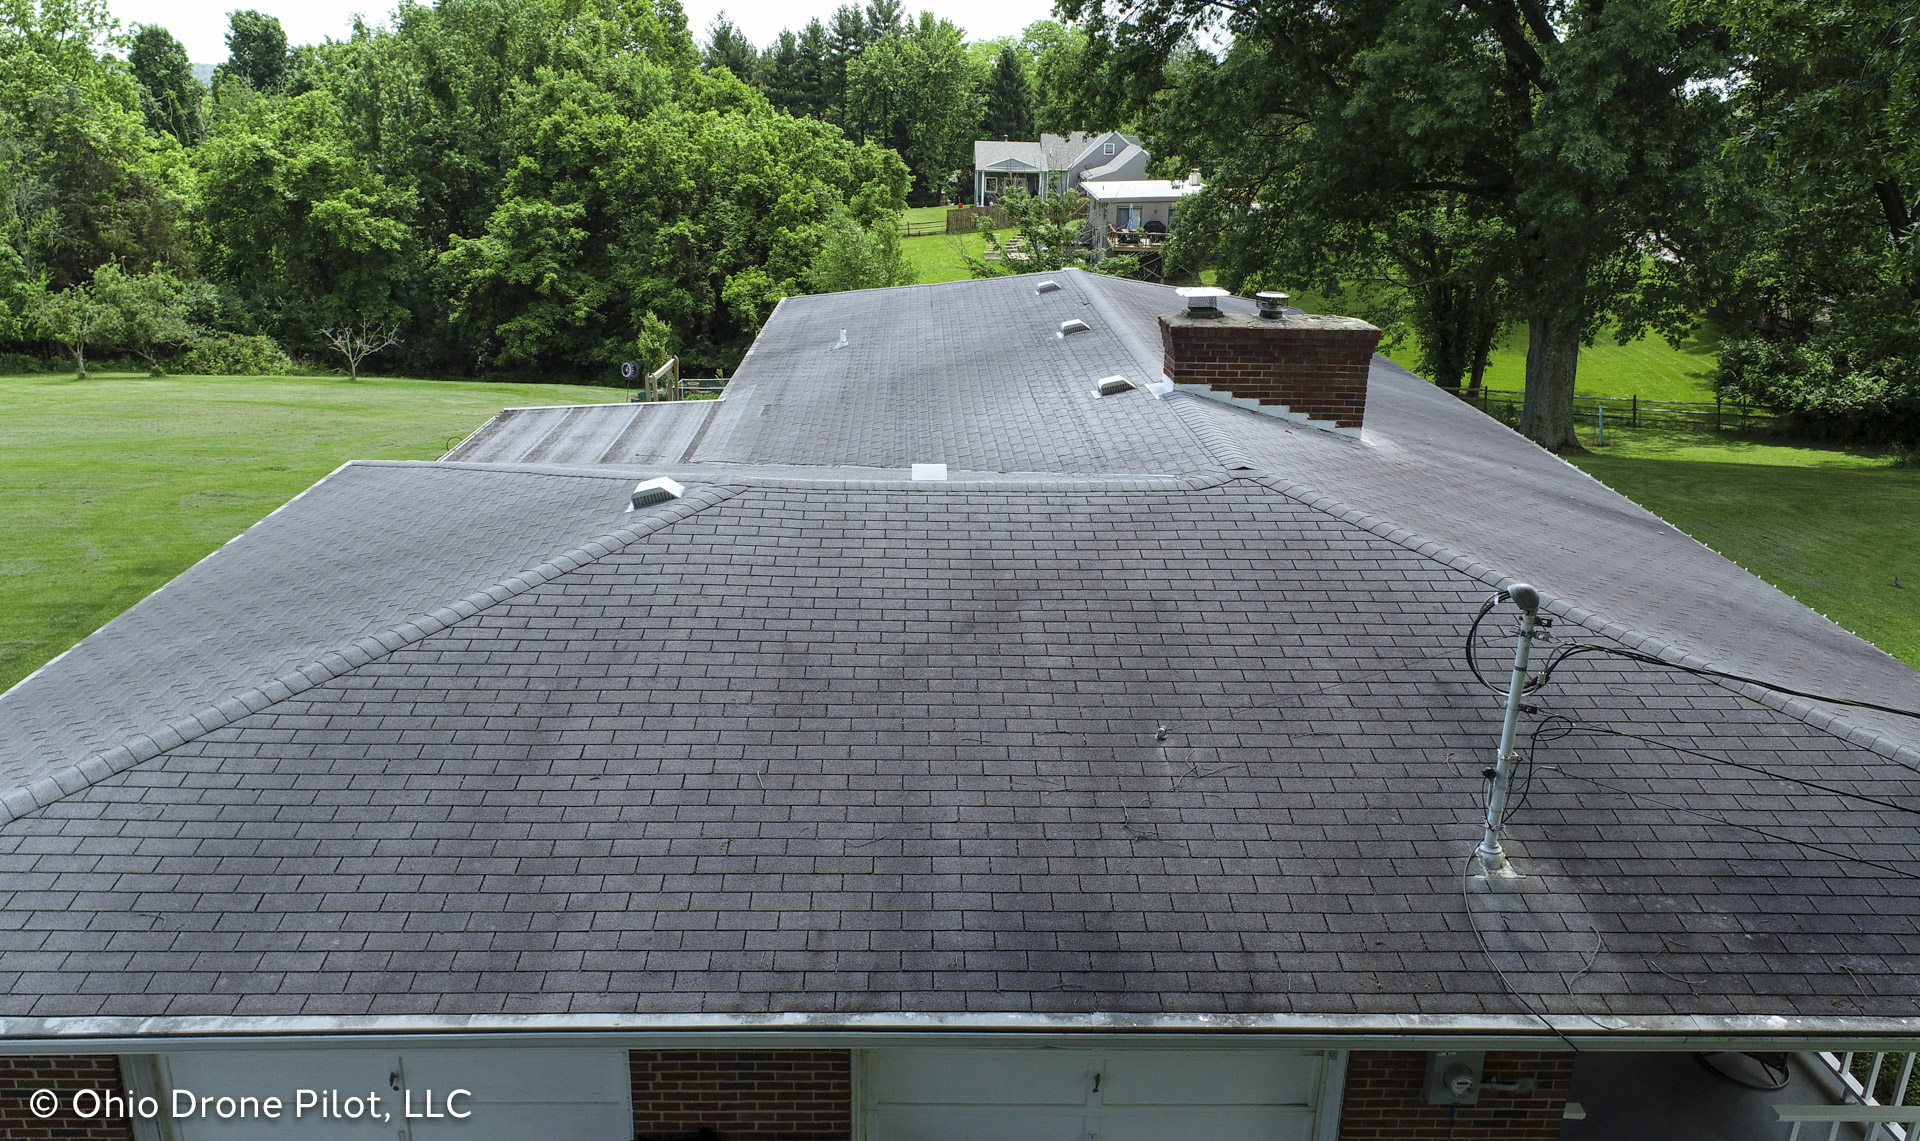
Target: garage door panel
<point>1166,1078</point>
<point>541,1074</point>
<point>980,1123</point>
<point>1002,1077</point>
<point>281,1074</point>
<point>1188,1123</point>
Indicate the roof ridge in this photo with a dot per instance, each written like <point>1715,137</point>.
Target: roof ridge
<point>1800,709</point>
<point>68,779</point>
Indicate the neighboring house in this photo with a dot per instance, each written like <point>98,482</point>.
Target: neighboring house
<point>960,754</point>
<point>1053,164</point>
<point>1134,210</point>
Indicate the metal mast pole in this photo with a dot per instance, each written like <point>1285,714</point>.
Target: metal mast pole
<point>1493,859</point>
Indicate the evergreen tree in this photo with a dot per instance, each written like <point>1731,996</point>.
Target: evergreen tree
<point>780,75</point>
<point>256,50</point>
<point>883,18</point>
<point>1009,109</point>
<point>728,47</point>
<point>846,37</point>
<point>170,95</point>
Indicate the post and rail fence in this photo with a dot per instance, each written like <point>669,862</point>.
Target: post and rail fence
<point>666,383</point>
<point>1631,411</point>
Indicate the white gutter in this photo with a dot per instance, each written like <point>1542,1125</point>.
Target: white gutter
<point>639,1031</point>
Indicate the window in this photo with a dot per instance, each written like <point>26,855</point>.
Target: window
<point>1129,217</point>
<point>1107,150</point>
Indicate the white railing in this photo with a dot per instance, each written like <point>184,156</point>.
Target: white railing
<point>1893,1118</point>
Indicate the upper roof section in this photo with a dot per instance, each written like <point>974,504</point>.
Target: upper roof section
<point>1140,190</point>
<point>1051,152</point>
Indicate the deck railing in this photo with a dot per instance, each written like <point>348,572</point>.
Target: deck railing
<point>1880,1100</point>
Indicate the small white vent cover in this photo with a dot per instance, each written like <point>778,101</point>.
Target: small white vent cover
<point>1046,287</point>
<point>1076,325</point>
<point>1202,300</point>
<point>937,472</point>
<point>1112,386</point>
<point>655,491</point>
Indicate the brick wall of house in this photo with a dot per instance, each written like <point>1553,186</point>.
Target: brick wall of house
<point>1310,365</point>
<point>20,1078</point>
<point>743,1095</point>
<point>1384,1099</point>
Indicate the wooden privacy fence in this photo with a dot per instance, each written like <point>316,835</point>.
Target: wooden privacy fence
<point>1631,411</point>
<point>967,219</point>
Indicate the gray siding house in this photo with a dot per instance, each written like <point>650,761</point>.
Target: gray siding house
<point>1053,164</point>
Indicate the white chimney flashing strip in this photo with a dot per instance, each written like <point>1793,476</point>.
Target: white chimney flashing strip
<point>1277,411</point>
<point>937,472</point>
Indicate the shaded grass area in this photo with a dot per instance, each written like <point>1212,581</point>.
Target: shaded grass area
<point>939,258</point>
<point>111,486</point>
<point>1836,528</point>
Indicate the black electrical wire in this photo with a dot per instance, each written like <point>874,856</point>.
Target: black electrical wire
<point>1578,649</point>
<point>1724,822</point>
<point>1466,902</point>
<point>1563,727</point>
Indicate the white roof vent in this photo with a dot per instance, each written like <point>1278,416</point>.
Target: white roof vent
<point>1047,287</point>
<point>1076,325</point>
<point>656,491</point>
<point>935,472</point>
<point>1202,300</point>
<point>1112,386</point>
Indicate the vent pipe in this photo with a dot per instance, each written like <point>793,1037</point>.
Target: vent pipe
<point>1273,306</point>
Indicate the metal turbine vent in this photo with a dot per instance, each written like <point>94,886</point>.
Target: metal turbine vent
<point>656,491</point>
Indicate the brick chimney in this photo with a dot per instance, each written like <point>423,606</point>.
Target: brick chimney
<point>1302,367</point>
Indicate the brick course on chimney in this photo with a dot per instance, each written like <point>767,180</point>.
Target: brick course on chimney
<point>1305,365</point>
<point>743,1095</point>
<point>1386,1101</point>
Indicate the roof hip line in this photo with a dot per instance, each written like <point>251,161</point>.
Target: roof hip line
<point>69,779</point>
<point>1800,709</point>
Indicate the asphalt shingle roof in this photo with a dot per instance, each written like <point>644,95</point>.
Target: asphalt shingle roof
<point>1155,706</point>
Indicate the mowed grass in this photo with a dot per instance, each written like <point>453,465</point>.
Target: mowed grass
<point>111,486</point>
<point>942,257</point>
<point>1836,528</point>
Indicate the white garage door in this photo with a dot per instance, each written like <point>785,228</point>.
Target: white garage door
<point>1093,1095</point>
<point>513,1094</point>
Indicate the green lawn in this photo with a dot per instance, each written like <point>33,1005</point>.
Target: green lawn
<point>1834,527</point>
<point>111,486</point>
<point>917,214</point>
<point>938,258</point>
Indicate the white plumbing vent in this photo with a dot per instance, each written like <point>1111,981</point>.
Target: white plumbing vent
<point>1112,386</point>
<point>1076,325</point>
<point>1047,287</point>
<point>655,491</point>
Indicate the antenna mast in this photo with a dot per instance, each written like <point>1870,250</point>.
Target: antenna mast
<point>1493,859</point>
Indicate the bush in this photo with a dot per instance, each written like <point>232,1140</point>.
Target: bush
<point>21,364</point>
<point>235,354</point>
<point>1823,391</point>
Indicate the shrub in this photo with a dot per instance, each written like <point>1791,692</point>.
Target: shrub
<point>236,354</point>
<point>1824,391</point>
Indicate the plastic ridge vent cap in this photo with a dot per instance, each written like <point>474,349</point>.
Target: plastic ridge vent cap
<point>655,491</point>
<point>937,472</point>
<point>1112,386</point>
<point>1075,325</point>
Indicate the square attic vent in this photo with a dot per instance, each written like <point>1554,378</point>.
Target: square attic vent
<point>1076,325</point>
<point>1046,287</point>
<point>1112,386</point>
<point>655,491</point>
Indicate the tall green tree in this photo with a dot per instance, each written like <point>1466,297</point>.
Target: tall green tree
<point>915,93</point>
<point>1585,128</point>
<point>728,47</point>
<point>1009,97</point>
<point>256,50</point>
<point>170,94</point>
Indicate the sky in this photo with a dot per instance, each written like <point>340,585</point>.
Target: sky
<point>202,26</point>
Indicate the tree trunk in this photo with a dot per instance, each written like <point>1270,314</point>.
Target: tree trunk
<point>1553,356</point>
